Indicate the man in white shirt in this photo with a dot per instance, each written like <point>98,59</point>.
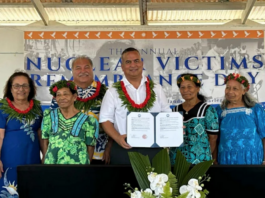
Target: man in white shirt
<point>113,113</point>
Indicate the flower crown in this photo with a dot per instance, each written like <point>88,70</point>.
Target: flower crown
<point>61,84</point>
<point>241,79</point>
<point>190,78</point>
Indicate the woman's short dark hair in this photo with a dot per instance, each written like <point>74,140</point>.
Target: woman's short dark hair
<point>199,96</point>
<point>8,86</point>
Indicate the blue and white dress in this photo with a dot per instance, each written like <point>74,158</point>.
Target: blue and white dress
<point>200,121</point>
<point>241,132</point>
<point>20,147</point>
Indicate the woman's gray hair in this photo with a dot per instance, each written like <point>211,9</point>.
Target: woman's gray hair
<point>247,98</point>
<point>81,57</point>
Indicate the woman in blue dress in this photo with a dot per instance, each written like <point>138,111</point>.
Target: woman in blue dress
<point>200,120</point>
<point>242,124</point>
<point>20,122</point>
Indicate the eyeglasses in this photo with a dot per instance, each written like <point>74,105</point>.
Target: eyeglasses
<point>62,95</point>
<point>17,86</point>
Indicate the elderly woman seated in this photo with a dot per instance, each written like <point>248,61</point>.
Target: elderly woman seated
<point>242,128</point>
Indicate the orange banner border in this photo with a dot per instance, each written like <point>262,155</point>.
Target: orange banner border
<point>218,34</point>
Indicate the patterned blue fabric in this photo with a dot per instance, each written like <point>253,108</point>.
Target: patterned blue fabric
<point>241,133</point>
<point>196,147</point>
<point>20,147</point>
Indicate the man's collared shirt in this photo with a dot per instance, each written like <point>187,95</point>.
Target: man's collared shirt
<point>113,111</point>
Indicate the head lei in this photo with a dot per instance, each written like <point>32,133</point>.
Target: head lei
<point>241,79</point>
<point>189,77</point>
<point>61,84</point>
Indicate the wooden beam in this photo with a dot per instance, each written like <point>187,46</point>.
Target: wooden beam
<point>41,11</point>
<point>143,11</point>
<point>246,12</point>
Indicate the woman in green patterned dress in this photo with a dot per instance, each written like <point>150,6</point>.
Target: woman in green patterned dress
<point>69,135</point>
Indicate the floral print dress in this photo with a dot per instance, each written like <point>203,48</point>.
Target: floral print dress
<point>241,132</point>
<point>68,138</point>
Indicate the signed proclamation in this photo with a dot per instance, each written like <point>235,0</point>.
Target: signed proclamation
<point>154,129</point>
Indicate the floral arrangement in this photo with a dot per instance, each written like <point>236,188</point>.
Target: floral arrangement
<point>241,79</point>
<point>157,181</point>
<point>190,78</point>
<point>61,84</point>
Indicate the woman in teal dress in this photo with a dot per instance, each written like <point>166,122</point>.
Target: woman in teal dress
<point>200,120</point>
<point>20,122</point>
<point>69,135</point>
<point>242,124</point>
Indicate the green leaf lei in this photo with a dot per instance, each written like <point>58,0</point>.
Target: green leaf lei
<point>12,114</point>
<point>127,103</point>
<point>94,102</point>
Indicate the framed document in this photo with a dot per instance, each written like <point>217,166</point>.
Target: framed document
<point>146,129</point>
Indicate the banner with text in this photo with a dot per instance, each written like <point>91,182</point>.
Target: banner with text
<point>211,55</point>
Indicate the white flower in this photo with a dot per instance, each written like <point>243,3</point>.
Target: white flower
<point>157,187</point>
<point>193,193</point>
<point>152,176</point>
<point>161,178</point>
<point>183,189</point>
<point>195,184</point>
<point>136,194</point>
<point>193,189</point>
<point>158,183</point>
<point>148,190</point>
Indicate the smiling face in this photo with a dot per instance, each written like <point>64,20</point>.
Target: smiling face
<point>234,91</point>
<point>132,65</point>
<point>188,90</point>
<point>65,98</point>
<point>20,88</point>
<point>82,72</point>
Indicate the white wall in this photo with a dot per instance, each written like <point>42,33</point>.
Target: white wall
<point>11,54</point>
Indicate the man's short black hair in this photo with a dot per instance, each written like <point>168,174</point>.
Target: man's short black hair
<point>130,49</point>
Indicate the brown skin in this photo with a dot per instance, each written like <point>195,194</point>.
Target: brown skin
<point>234,93</point>
<point>83,77</point>
<point>132,66</point>
<point>82,73</point>
<point>21,102</point>
<point>65,100</point>
<point>189,92</point>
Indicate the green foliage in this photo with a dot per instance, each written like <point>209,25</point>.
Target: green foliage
<point>197,171</point>
<point>161,162</point>
<point>12,114</point>
<point>183,195</point>
<point>139,163</point>
<point>94,102</point>
<point>147,195</point>
<point>181,167</point>
<point>204,193</point>
<point>173,183</point>
<point>180,176</point>
<point>167,193</point>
